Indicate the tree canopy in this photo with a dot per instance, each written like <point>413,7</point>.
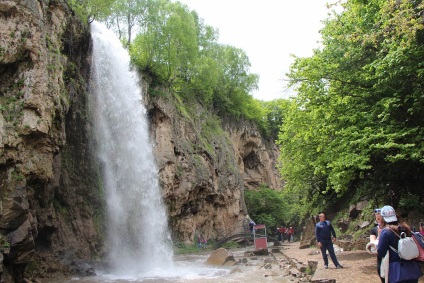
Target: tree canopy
<point>356,126</point>
<point>177,48</point>
<point>357,122</point>
<point>170,43</point>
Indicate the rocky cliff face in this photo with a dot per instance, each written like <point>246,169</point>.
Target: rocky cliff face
<point>51,199</point>
<point>205,163</point>
<point>49,203</point>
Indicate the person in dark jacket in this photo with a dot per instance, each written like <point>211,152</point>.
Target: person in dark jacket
<point>323,232</point>
<point>389,237</point>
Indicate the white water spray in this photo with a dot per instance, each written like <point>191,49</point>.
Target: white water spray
<point>138,237</point>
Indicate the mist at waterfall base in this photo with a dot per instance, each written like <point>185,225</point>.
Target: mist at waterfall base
<point>138,242</point>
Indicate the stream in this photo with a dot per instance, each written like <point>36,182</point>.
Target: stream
<point>191,268</point>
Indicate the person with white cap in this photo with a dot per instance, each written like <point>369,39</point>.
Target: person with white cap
<point>388,241</point>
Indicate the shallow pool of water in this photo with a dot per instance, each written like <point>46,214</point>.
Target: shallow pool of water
<point>192,269</point>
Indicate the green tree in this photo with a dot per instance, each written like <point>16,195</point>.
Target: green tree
<point>275,112</point>
<point>88,10</point>
<point>127,15</point>
<point>265,206</point>
<point>358,117</point>
<point>167,45</point>
<point>176,49</point>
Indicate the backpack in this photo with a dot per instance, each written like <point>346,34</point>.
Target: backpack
<point>419,240</point>
<point>407,248</point>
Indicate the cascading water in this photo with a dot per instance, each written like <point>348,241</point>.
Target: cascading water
<point>138,240</point>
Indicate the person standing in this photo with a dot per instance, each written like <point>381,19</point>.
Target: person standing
<point>323,232</point>
<point>290,234</point>
<point>251,225</point>
<point>199,241</point>
<point>283,233</point>
<point>280,236</point>
<point>400,271</point>
<point>374,235</point>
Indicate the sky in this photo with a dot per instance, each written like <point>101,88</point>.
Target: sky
<point>268,31</point>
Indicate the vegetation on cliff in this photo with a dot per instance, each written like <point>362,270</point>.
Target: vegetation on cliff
<point>171,44</point>
<point>354,130</point>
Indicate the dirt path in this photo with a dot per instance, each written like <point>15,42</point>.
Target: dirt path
<point>358,266</point>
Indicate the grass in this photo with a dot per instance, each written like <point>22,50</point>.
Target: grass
<point>182,248</point>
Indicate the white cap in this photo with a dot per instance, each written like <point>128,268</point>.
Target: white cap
<point>388,213</point>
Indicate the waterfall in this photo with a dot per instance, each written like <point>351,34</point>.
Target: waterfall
<point>138,239</point>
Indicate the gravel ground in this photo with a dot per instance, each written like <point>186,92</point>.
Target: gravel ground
<point>358,266</point>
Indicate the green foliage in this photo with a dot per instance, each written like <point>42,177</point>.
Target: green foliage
<point>175,48</point>
<point>275,112</point>
<point>191,248</point>
<point>12,102</point>
<point>168,44</point>
<point>230,245</point>
<point>266,206</point>
<point>411,202</point>
<point>91,9</point>
<point>183,248</point>
<point>358,119</point>
<point>4,244</point>
<point>125,16</point>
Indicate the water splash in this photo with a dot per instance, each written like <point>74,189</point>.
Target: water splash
<point>138,240</point>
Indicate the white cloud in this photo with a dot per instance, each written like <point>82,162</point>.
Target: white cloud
<point>268,31</point>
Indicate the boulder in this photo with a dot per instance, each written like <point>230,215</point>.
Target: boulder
<point>361,205</point>
<point>267,266</point>
<point>356,209</point>
<point>364,224</point>
<point>353,212</point>
<point>236,270</point>
<point>218,257</point>
<point>343,224</point>
<point>230,261</point>
<point>261,252</point>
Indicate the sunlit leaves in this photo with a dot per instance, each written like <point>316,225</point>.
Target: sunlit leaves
<point>175,47</point>
<point>359,113</point>
<point>266,206</point>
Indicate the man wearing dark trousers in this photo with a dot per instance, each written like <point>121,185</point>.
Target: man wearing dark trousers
<point>323,232</point>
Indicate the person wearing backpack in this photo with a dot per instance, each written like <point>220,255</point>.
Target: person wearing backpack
<point>400,270</point>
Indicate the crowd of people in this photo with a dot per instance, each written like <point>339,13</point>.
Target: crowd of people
<point>384,239</point>
<point>201,242</point>
<point>383,242</point>
<point>285,233</point>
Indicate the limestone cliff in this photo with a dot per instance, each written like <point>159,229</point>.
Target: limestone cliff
<point>205,163</point>
<point>50,205</point>
<point>51,198</point>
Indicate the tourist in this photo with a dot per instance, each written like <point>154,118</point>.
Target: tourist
<point>290,232</point>
<point>200,241</point>
<point>251,224</point>
<point>405,271</point>
<point>323,232</point>
<point>279,236</point>
<point>283,233</point>
<point>374,235</point>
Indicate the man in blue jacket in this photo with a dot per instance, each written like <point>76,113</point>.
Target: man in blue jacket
<point>323,232</point>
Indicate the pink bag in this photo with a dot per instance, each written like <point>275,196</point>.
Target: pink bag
<point>419,240</point>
